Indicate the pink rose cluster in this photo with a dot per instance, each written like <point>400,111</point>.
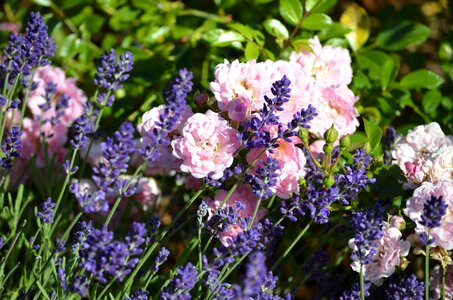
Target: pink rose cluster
<point>319,77</point>
<point>390,250</point>
<point>37,125</point>
<point>442,235</point>
<point>204,145</point>
<point>425,154</point>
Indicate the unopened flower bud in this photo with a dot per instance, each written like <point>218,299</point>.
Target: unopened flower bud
<point>302,181</point>
<point>328,181</point>
<point>303,135</point>
<point>331,135</point>
<point>345,142</point>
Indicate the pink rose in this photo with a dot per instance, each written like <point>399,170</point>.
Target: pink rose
<point>291,162</point>
<point>435,284</point>
<point>330,66</point>
<point>167,162</point>
<point>244,195</point>
<point>424,154</point>
<point>335,106</point>
<point>238,109</point>
<point>207,145</point>
<point>389,250</point>
<point>49,74</point>
<point>240,80</point>
<point>442,235</point>
<point>442,168</point>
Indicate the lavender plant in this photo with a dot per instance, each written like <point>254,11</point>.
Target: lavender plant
<point>218,199</point>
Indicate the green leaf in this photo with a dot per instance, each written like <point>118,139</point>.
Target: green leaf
<point>319,6</point>
<point>388,73</point>
<point>94,23</point>
<point>431,101</point>
<point>372,60</point>
<point>222,38</point>
<point>358,140</point>
<point>358,21</point>
<point>276,29</point>
<point>302,44</point>
<point>67,47</point>
<point>333,30</point>
<point>316,21</point>
<point>403,34</point>
<point>252,51</point>
<point>291,11</point>
<point>244,30</point>
<point>421,79</point>
<point>373,133</point>
<point>43,2</point>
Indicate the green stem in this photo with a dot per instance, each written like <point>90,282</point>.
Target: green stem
<point>255,212</point>
<point>288,250</point>
<point>444,274</point>
<point>148,253</point>
<point>66,180</point>
<point>106,288</point>
<point>63,239</point>
<point>10,249</point>
<point>427,267</point>
<point>362,288</point>
<point>118,200</point>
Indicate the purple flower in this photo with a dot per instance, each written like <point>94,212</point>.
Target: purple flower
<point>62,277</point>
<point>81,231</point>
<point>104,257</point>
<point>355,177</point>
<point>405,288</point>
<point>82,129</point>
<point>11,145</point>
<point>139,295</point>
<point>182,283</point>
<point>253,136</point>
<point>46,212</point>
<point>433,211</point>
<point>23,53</point>
<point>116,152</point>
<point>257,283</point>
<point>175,97</point>
<point>264,179</point>
<point>89,202</point>
<point>367,226</point>
<point>1,243</point>
<point>354,294</point>
<point>111,72</point>
<point>81,285</point>
<point>162,257</point>
<point>387,144</point>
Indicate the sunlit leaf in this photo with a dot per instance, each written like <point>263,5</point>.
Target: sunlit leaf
<point>356,18</point>
<point>291,11</point>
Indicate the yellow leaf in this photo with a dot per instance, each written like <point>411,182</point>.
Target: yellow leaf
<point>356,18</point>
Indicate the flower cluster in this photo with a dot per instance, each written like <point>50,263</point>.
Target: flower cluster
<point>424,155</point>
<point>319,77</point>
<point>23,53</point>
<point>103,257</point>
<point>111,73</point>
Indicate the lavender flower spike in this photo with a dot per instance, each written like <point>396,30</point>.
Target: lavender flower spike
<point>368,229</point>
<point>111,72</point>
<point>46,211</point>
